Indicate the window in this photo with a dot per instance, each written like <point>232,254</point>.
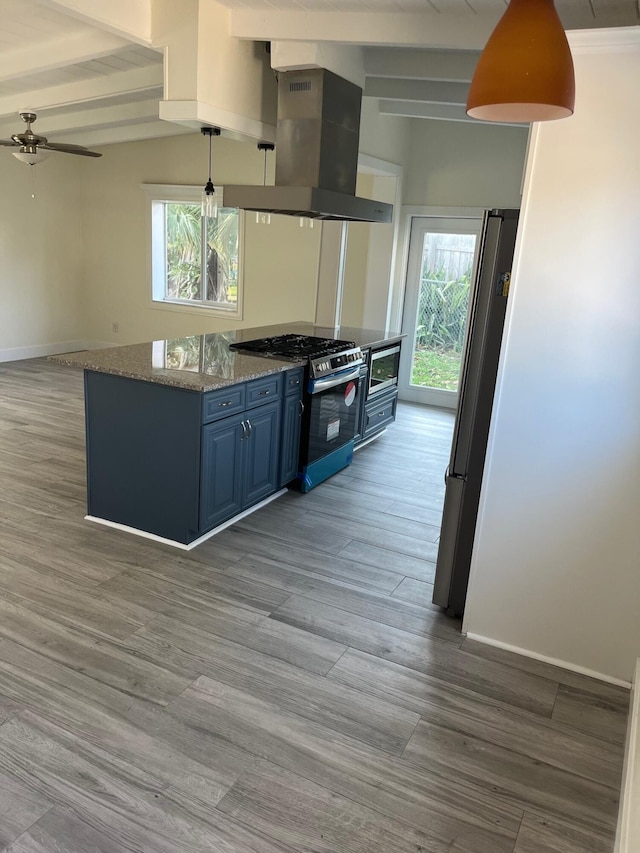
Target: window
<point>195,262</point>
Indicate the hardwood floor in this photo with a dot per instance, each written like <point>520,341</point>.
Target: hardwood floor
<point>287,687</point>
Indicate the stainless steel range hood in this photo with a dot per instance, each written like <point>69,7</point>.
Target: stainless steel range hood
<point>317,140</point>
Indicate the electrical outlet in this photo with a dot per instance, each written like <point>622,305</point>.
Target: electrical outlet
<point>115,327</point>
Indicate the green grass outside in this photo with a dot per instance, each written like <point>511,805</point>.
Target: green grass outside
<point>436,369</point>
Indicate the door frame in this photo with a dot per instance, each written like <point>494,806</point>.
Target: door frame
<point>405,312</point>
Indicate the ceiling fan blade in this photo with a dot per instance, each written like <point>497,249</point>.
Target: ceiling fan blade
<point>69,149</point>
<point>8,143</point>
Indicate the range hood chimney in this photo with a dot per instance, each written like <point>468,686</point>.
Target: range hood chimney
<point>317,140</point>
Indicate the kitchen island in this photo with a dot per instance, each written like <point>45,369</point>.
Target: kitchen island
<point>186,435</point>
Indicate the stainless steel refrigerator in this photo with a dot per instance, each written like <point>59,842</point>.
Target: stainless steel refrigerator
<point>463,477</point>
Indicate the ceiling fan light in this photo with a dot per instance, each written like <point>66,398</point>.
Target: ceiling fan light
<point>32,157</point>
<point>525,72</point>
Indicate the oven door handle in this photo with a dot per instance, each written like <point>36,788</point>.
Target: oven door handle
<point>383,353</point>
<point>318,385</point>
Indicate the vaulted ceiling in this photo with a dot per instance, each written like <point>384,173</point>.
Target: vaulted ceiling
<point>94,74</point>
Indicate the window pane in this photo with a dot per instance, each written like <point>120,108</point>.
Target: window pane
<point>445,283</point>
<point>184,249</point>
<point>222,257</point>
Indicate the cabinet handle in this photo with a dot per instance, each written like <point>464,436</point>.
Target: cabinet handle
<point>225,404</point>
<point>250,428</point>
<point>381,414</point>
<point>244,430</point>
<point>294,382</point>
<point>264,393</point>
<point>301,407</point>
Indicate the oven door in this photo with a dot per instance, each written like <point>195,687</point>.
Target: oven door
<point>332,409</point>
<point>383,370</point>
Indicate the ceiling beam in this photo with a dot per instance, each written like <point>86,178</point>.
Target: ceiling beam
<point>45,56</point>
<point>132,133</point>
<point>130,19</point>
<point>452,66</point>
<point>425,29</point>
<point>431,91</point>
<point>438,112</point>
<point>82,91</point>
<point>118,115</point>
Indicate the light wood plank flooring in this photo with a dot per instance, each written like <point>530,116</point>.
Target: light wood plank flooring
<point>285,688</point>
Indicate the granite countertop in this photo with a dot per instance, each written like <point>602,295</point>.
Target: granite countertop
<point>195,363</point>
<point>362,337</point>
<point>205,362</point>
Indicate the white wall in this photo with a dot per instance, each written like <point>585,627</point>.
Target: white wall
<point>384,137</point>
<point>40,255</point>
<point>464,164</point>
<point>556,568</point>
<point>369,257</point>
<point>280,259</point>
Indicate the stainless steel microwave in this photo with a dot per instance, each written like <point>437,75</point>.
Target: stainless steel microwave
<point>383,369</point>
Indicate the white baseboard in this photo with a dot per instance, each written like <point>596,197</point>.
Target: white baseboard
<point>563,664</point>
<point>181,545</point>
<point>41,350</point>
<point>628,832</point>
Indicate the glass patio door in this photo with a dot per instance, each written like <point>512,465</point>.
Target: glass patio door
<point>442,259</point>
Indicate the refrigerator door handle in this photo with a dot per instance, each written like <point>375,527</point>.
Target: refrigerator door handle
<point>446,475</point>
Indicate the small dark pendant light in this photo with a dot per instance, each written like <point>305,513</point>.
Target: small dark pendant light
<point>525,72</point>
<point>263,217</point>
<point>209,199</point>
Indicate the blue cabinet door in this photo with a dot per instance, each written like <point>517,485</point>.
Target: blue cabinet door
<point>261,450</point>
<point>221,492</point>
<point>379,412</point>
<point>292,420</point>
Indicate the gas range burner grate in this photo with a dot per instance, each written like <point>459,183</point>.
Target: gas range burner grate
<point>293,346</point>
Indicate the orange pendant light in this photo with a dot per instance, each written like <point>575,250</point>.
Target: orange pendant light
<point>525,72</point>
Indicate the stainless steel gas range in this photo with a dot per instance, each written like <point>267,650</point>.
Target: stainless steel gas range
<point>331,400</point>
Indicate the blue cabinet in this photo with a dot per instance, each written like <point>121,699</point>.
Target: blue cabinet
<point>261,452</point>
<point>221,484</point>
<point>291,423</point>
<point>379,412</point>
<point>292,410</point>
<point>177,463</point>
<point>143,455</point>
<point>240,463</point>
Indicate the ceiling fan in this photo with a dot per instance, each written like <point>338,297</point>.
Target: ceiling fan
<point>32,147</point>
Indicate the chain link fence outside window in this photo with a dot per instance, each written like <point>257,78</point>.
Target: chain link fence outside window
<point>447,267</point>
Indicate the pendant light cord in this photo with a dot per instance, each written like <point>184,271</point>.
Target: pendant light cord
<point>265,147</point>
<point>210,132</point>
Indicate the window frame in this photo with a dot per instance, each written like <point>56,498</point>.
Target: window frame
<point>156,197</point>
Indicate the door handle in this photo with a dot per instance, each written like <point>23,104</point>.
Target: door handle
<point>336,379</point>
